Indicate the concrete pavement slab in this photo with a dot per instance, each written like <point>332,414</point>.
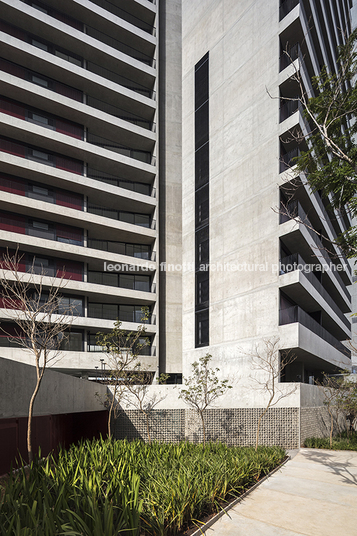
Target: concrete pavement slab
<point>315,494</point>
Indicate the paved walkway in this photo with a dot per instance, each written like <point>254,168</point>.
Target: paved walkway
<point>314,494</point>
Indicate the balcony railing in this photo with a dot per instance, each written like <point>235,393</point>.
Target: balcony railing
<point>286,6</point>
<point>142,220</point>
<point>286,159</point>
<point>138,251</point>
<point>294,210</point>
<point>125,115</point>
<point>125,313</point>
<point>139,23</point>
<point>138,187</point>
<point>296,262</point>
<point>294,314</point>
<point>327,219</point>
<point>111,145</point>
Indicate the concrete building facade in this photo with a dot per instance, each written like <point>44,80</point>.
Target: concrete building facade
<point>154,138</point>
<point>267,274</point>
<point>78,162</point>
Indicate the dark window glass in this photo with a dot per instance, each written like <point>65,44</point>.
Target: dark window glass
<point>201,125</point>
<point>202,246</point>
<point>202,289</point>
<point>202,166</point>
<point>201,83</point>
<point>202,328</point>
<point>202,205</point>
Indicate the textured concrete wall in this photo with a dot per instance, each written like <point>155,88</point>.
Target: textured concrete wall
<point>170,186</point>
<point>236,426</point>
<point>59,393</point>
<point>287,427</point>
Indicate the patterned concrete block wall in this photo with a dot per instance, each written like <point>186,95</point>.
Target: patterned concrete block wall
<point>280,426</point>
<point>164,425</point>
<point>315,422</point>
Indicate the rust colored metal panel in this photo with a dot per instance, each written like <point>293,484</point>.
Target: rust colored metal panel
<point>48,433</point>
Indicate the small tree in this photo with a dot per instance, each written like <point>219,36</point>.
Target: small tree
<point>33,302</point>
<point>203,388</point>
<point>346,400</point>
<point>330,387</point>
<point>138,393</point>
<point>271,362</point>
<point>122,349</point>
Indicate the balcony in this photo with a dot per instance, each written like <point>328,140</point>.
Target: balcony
<point>295,211</point>
<point>295,314</point>
<point>139,251</point>
<point>295,262</point>
<point>142,220</point>
<point>125,313</point>
<point>69,56</point>
<point>287,159</point>
<point>121,13</point>
<point>138,187</point>
<point>286,6</point>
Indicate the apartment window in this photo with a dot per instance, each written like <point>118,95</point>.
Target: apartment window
<point>39,81</point>
<point>39,44</point>
<point>202,202</point>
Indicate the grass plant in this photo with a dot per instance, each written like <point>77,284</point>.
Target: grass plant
<point>338,442</point>
<point>107,488</point>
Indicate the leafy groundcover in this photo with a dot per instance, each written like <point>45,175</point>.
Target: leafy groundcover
<point>107,488</point>
<point>342,442</point>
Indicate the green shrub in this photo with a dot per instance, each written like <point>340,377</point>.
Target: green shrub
<point>106,488</point>
<point>338,443</point>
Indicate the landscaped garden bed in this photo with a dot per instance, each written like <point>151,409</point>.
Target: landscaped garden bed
<point>342,442</point>
<point>106,488</point>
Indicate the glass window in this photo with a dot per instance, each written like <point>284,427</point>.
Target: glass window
<point>142,219</point>
<point>40,119</point>
<point>39,81</point>
<point>40,45</point>
<point>142,282</point>
<point>40,190</point>
<point>40,225</point>
<point>110,279</point>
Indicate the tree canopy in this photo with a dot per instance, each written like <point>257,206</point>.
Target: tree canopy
<point>330,161</point>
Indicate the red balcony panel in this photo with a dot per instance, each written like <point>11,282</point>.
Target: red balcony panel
<point>72,234</point>
<point>12,68</point>
<point>11,108</point>
<point>70,270</point>
<point>15,32</point>
<point>13,148</point>
<point>68,164</point>
<point>10,303</point>
<point>21,265</point>
<point>66,91</point>
<point>12,185</point>
<point>13,223</point>
<point>71,200</point>
<point>70,129</point>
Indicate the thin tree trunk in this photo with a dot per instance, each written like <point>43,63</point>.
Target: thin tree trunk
<point>203,428</point>
<point>148,427</point>
<point>258,428</point>
<point>331,426</point>
<point>110,418</point>
<point>29,422</point>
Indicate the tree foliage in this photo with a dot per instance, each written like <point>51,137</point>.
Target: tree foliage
<point>203,388</point>
<point>330,160</point>
<point>33,302</point>
<point>271,363</point>
<point>122,349</point>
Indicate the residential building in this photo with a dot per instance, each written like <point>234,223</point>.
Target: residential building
<point>78,162</point>
<point>156,137</point>
<point>245,214</point>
